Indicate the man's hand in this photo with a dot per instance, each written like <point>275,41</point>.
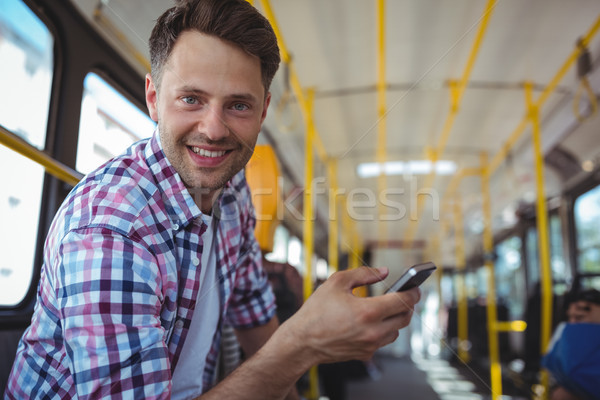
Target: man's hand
<point>335,325</point>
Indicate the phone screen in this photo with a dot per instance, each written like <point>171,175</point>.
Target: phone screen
<point>414,276</point>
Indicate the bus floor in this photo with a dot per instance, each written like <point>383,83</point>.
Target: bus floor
<point>413,378</point>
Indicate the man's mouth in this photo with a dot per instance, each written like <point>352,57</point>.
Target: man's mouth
<point>208,153</point>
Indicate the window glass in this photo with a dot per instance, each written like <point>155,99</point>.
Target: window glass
<point>590,282</point>
<point>561,274</point>
<point>19,211</point>
<point>109,124</point>
<point>510,277</point>
<point>26,69</point>
<point>587,221</point>
<point>533,264</point>
<point>280,245</point>
<point>295,256</point>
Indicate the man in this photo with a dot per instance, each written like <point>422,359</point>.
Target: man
<point>583,307</point>
<point>150,253</point>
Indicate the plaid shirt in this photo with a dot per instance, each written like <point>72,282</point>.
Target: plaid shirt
<point>120,282</point>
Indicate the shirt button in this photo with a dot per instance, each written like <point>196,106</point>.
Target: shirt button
<point>175,227</point>
<point>196,261</point>
<point>179,324</point>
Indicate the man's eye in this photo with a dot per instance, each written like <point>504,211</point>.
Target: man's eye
<point>189,100</point>
<point>240,107</point>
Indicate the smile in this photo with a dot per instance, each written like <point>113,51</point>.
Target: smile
<point>208,153</point>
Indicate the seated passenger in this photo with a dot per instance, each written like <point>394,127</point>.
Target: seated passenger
<point>154,251</point>
<point>573,357</point>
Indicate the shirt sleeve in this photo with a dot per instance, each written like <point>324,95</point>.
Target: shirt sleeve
<point>109,292</point>
<point>253,301</point>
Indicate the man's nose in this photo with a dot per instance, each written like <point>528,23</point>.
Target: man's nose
<point>214,125</point>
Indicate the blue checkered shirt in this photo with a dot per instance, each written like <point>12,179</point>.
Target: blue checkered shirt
<point>120,281</point>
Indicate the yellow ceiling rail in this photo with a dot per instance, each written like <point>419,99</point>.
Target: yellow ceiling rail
<point>456,92</point>
<point>116,32</point>
<point>458,178</point>
<point>52,166</point>
<point>503,153</point>
<point>294,81</point>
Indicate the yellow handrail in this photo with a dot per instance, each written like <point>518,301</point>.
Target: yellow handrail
<point>492,314</point>
<point>53,167</point>
<point>333,215</point>
<point>533,114</point>
<point>514,137</point>
<point>294,81</point>
<point>457,90</point>
<point>380,152</point>
<point>463,310</point>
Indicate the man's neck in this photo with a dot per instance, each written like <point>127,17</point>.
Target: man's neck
<point>205,200</point>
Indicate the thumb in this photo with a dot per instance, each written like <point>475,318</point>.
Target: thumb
<point>363,276</point>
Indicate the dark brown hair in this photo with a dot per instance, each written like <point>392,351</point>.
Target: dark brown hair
<point>235,21</point>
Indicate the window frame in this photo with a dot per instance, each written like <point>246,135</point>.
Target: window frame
<point>77,50</point>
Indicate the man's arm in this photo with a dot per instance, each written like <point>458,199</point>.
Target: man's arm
<point>333,325</point>
<point>253,339</point>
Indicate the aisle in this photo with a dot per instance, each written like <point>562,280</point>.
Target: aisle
<point>400,379</point>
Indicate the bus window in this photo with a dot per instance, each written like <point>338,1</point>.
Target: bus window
<point>26,51</point>
<point>510,278</point>
<point>26,70</point>
<point>533,264</point>
<point>109,124</point>
<point>280,246</point>
<point>561,275</point>
<point>587,220</point>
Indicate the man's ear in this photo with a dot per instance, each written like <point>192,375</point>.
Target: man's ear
<point>266,106</point>
<point>151,98</point>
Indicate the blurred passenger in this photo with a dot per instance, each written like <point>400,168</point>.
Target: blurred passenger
<point>152,252</point>
<point>574,355</point>
<point>584,307</point>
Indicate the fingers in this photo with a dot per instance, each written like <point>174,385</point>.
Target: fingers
<point>391,304</point>
<point>360,276</point>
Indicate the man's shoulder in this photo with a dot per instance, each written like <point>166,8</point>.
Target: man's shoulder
<point>114,195</point>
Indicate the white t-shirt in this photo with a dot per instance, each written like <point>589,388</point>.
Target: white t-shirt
<point>187,378</point>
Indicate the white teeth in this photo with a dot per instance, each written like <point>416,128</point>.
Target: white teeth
<point>207,153</point>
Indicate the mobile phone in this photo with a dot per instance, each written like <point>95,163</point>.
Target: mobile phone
<point>413,277</point>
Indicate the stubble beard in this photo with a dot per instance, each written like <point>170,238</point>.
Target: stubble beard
<point>202,181</point>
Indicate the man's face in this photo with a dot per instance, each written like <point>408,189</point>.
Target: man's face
<point>209,108</point>
<point>583,311</point>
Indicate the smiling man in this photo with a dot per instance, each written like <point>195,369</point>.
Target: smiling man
<point>151,254</point>
<point>211,110</point>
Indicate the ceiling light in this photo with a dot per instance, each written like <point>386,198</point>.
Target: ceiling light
<point>414,167</point>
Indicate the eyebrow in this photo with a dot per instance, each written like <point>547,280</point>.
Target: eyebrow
<point>236,96</point>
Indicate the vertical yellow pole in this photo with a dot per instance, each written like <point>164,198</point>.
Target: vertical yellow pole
<point>463,316</point>
<point>492,315</point>
<point>381,112</point>
<point>533,113</point>
<point>308,224</point>
<point>333,215</point>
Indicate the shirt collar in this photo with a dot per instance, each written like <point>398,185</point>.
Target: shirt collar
<point>181,206</point>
